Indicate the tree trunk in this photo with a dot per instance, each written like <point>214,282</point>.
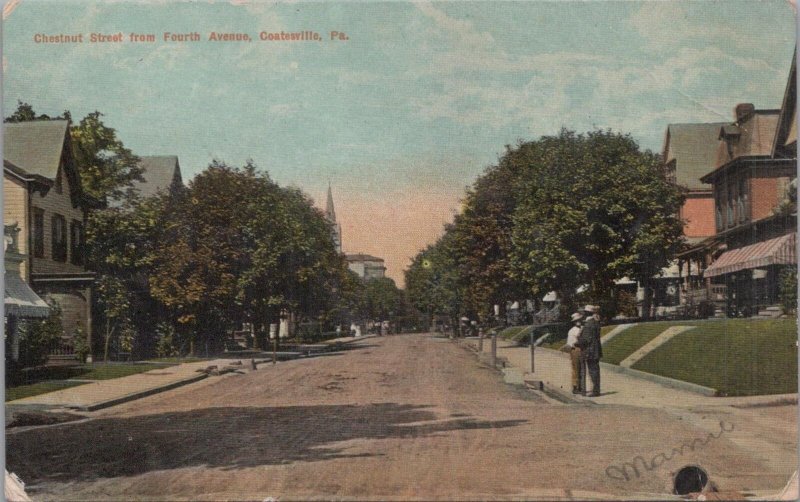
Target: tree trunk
<point>647,301</point>
<point>108,339</point>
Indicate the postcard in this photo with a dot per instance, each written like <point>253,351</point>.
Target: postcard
<point>373,250</point>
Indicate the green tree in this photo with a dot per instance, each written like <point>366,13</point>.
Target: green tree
<point>237,247</point>
<point>37,339</point>
<point>122,245</point>
<point>433,284</point>
<point>482,235</point>
<point>116,308</point>
<point>593,208</point>
<point>205,248</point>
<point>107,168</point>
<point>787,284</point>
<point>383,299</point>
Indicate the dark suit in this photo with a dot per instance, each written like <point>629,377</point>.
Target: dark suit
<point>592,351</point>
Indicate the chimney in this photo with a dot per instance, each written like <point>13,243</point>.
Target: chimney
<point>743,111</point>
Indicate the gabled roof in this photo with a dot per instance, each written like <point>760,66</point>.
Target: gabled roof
<point>755,136</point>
<point>693,147</point>
<point>39,182</point>
<point>751,137</point>
<point>35,146</point>
<point>159,174</point>
<point>785,144</point>
<point>38,147</point>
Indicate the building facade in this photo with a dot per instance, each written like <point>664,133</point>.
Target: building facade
<point>755,216</point>
<point>366,266</point>
<point>43,195</point>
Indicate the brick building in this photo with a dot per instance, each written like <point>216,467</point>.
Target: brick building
<point>754,188</point>
<point>690,152</point>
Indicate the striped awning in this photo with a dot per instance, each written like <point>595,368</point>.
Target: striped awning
<point>778,251</point>
<point>21,300</point>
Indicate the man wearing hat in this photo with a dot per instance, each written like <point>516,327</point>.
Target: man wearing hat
<point>591,349</point>
<point>578,377</point>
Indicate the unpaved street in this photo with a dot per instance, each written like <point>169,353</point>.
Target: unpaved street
<point>401,417</point>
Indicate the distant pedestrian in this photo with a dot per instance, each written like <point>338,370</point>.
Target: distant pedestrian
<point>591,349</point>
<point>574,333</point>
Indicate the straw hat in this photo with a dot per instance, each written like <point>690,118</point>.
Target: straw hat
<point>577,316</point>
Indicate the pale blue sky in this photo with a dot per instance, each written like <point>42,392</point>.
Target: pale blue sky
<point>422,96</point>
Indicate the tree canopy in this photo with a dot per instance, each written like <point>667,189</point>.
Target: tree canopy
<point>554,214</point>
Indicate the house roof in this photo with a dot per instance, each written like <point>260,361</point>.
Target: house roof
<point>750,137</point>
<point>362,257</point>
<point>785,143</point>
<point>35,146</point>
<point>756,134</point>
<point>159,173</point>
<point>40,182</point>
<point>693,147</point>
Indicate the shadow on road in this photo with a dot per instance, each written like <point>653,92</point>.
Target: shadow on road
<point>233,437</point>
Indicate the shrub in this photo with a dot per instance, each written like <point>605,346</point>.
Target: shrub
<point>706,309</point>
<point>165,346</point>
<point>80,344</point>
<point>37,338</point>
<point>626,304</point>
<point>788,289</point>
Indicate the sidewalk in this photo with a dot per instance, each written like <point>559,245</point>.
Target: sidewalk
<point>105,393</point>
<point>553,369</point>
<point>766,426</point>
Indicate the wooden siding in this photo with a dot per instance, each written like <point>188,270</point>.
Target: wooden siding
<point>56,203</point>
<point>15,208</point>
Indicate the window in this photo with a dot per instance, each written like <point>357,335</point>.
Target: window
<point>59,236</point>
<point>38,232</point>
<point>730,206</point>
<point>76,247</point>
<point>744,209</point>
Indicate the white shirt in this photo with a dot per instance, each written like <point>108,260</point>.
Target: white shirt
<point>572,335</point>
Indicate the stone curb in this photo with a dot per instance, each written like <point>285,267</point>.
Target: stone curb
<point>662,380</point>
<point>138,395</point>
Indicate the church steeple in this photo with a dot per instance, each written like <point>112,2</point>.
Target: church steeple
<point>329,211</point>
<point>330,214</point>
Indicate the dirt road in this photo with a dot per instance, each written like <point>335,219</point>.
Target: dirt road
<point>402,417</point>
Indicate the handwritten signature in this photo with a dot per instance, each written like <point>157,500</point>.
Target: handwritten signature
<point>627,470</point>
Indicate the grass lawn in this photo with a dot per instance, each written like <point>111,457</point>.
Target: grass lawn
<point>177,360</point>
<point>735,356</point>
<point>510,332</point>
<point>52,378</point>
<point>100,371</point>
<point>559,341</point>
<point>630,340</point>
<point>35,389</point>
